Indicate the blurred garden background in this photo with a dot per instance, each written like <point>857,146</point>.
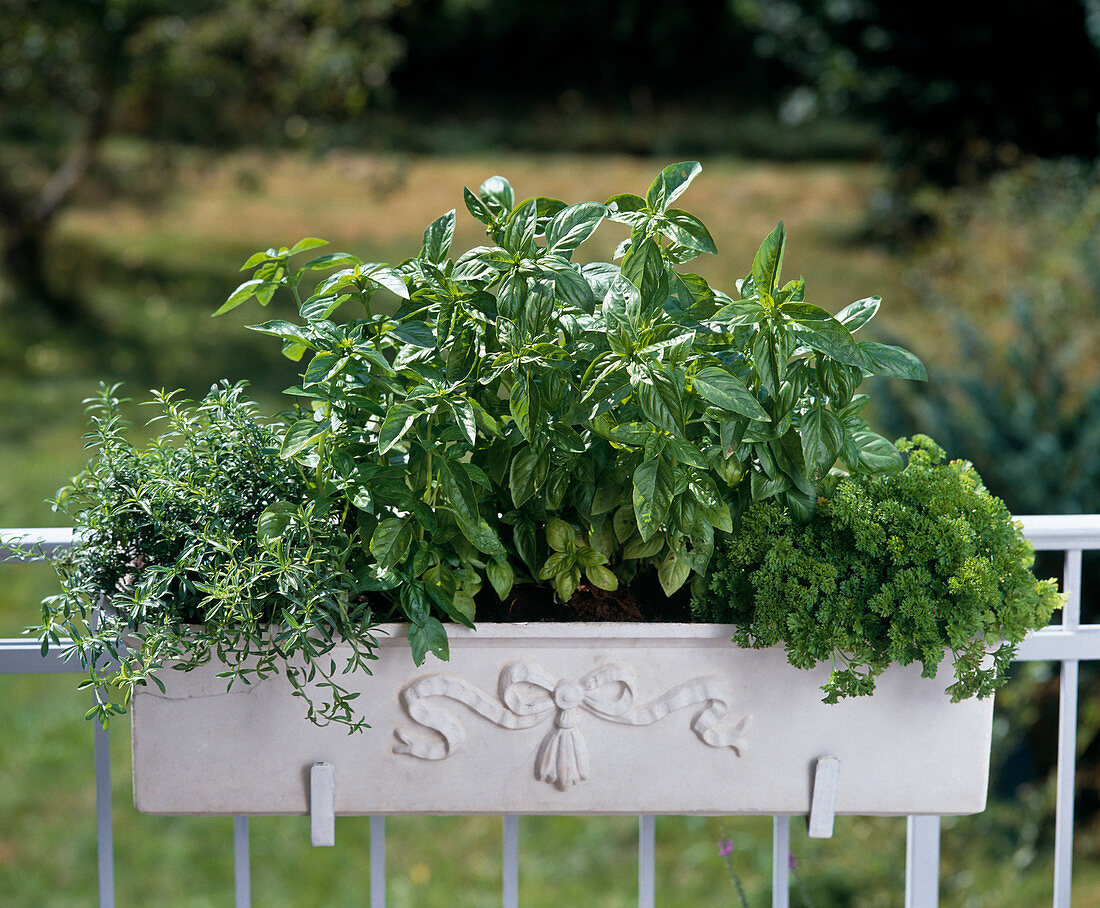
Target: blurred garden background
<point>941,155</point>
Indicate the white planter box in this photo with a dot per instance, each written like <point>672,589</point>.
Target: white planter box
<point>567,719</point>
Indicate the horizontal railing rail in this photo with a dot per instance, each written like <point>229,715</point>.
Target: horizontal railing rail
<point>1068,643</point>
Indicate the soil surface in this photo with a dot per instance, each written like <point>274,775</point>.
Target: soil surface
<point>643,601</point>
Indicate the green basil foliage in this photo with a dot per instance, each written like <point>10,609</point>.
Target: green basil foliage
<point>190,549</point>
<point>523,417</point>
<point>894,568</point>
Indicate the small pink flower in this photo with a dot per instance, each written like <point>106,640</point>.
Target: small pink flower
<point>725,848</point>
<point>792,862</point>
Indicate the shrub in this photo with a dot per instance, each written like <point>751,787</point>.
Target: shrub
<point>190,549</point>
<point>522,417</point>
<point>893,568</point>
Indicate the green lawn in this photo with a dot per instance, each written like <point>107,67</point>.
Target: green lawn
<point>152,271</point>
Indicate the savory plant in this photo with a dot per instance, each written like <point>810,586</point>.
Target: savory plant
<point>519,416</point>
<point>900,568</point>
<point>205,544</point>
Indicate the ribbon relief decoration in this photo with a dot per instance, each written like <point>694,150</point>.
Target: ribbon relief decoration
<point>528,694</point>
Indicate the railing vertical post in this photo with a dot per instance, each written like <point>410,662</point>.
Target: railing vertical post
<point>1067,738</point>
<point>242,870</point>
<point>377,862</point>
<point>509,870</point>
<point>105,842</point>
<point>922,862</point>
<point>647,871</point>
<point>781,862</point>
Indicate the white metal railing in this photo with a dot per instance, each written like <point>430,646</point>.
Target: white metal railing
<point>1068,643</point>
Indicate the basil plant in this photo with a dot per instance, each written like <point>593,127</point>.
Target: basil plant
<point>521,417</point>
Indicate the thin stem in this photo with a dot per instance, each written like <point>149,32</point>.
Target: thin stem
<point>736,882</point>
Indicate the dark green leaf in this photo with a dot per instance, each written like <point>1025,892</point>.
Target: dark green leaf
<point>644,267</point>
<point>416,333</point>
<point>876,454</point>
<point>476,207</point>
<point>572,226</point>
<point>687,230</point>
<point>627,209</point>
<point>501,576</point>
<point>884,359</point>
<point>652,497</point>
<point>768,263</point>
<point>274,520</point>
<point>822,436</point>
<point>310,242</point>
<point>673,573</point>
<point>670,183</point>
<point>527,473</point>
<point>740,312</point>
<point>818,330</point>
<point>570,284</point>
<point>463,500</point>
<point>244,292</point>
<point>519,229</point>
<point>391,540</point>
<point>430,637</point>
<point>496,193</point>
<point>301,435</point>
<point>285,331</point>
<point>398,421</point>
<point>519,405</point>
<point>438,237</point>
<point>725,390</point>
<point>855,315</point>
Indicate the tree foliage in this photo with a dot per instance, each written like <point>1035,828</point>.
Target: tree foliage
<point>73,71</point>
<point>950,83</point>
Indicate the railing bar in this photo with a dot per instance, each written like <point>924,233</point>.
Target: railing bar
<point>1067,739</point>
<point>105,844</point>
<point>647,870</point>
<point>377,862</point>
<point>922,862</point>
<point>1071,585</point>
<point>44,541</point>
<point>781,857</point>
<point>510,861</point>
<point>242,870</point>
<point>1067,763</point>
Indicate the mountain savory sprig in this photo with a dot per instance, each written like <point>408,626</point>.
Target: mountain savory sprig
<point>189,549</point>
<point>895,568</point>
<point>522,416</point>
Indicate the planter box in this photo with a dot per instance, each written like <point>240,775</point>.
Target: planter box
<point>567,719</point>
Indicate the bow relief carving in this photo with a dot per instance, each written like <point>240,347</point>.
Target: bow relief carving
<point>528,695</point>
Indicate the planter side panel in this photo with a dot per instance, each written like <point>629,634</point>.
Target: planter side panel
<point>664,720</point>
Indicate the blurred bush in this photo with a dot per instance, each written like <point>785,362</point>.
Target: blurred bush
<point>1011,283</point>
<point>1013,278</point>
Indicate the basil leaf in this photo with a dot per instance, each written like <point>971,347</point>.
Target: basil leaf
<point>670,183</point>
<point>884,359</point>
<point>652,497</point>
<point>572,226</point>
<point>723,389</point>
<point>768,263</point>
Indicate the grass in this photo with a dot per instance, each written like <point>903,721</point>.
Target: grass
<point>152,269</point>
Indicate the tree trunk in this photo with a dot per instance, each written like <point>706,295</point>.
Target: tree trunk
<point>26,221</point>
<point>25,266</point>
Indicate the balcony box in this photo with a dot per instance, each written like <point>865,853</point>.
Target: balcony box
<point>567,719</point>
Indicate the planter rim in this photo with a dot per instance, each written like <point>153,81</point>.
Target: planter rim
<point>609,632</point>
